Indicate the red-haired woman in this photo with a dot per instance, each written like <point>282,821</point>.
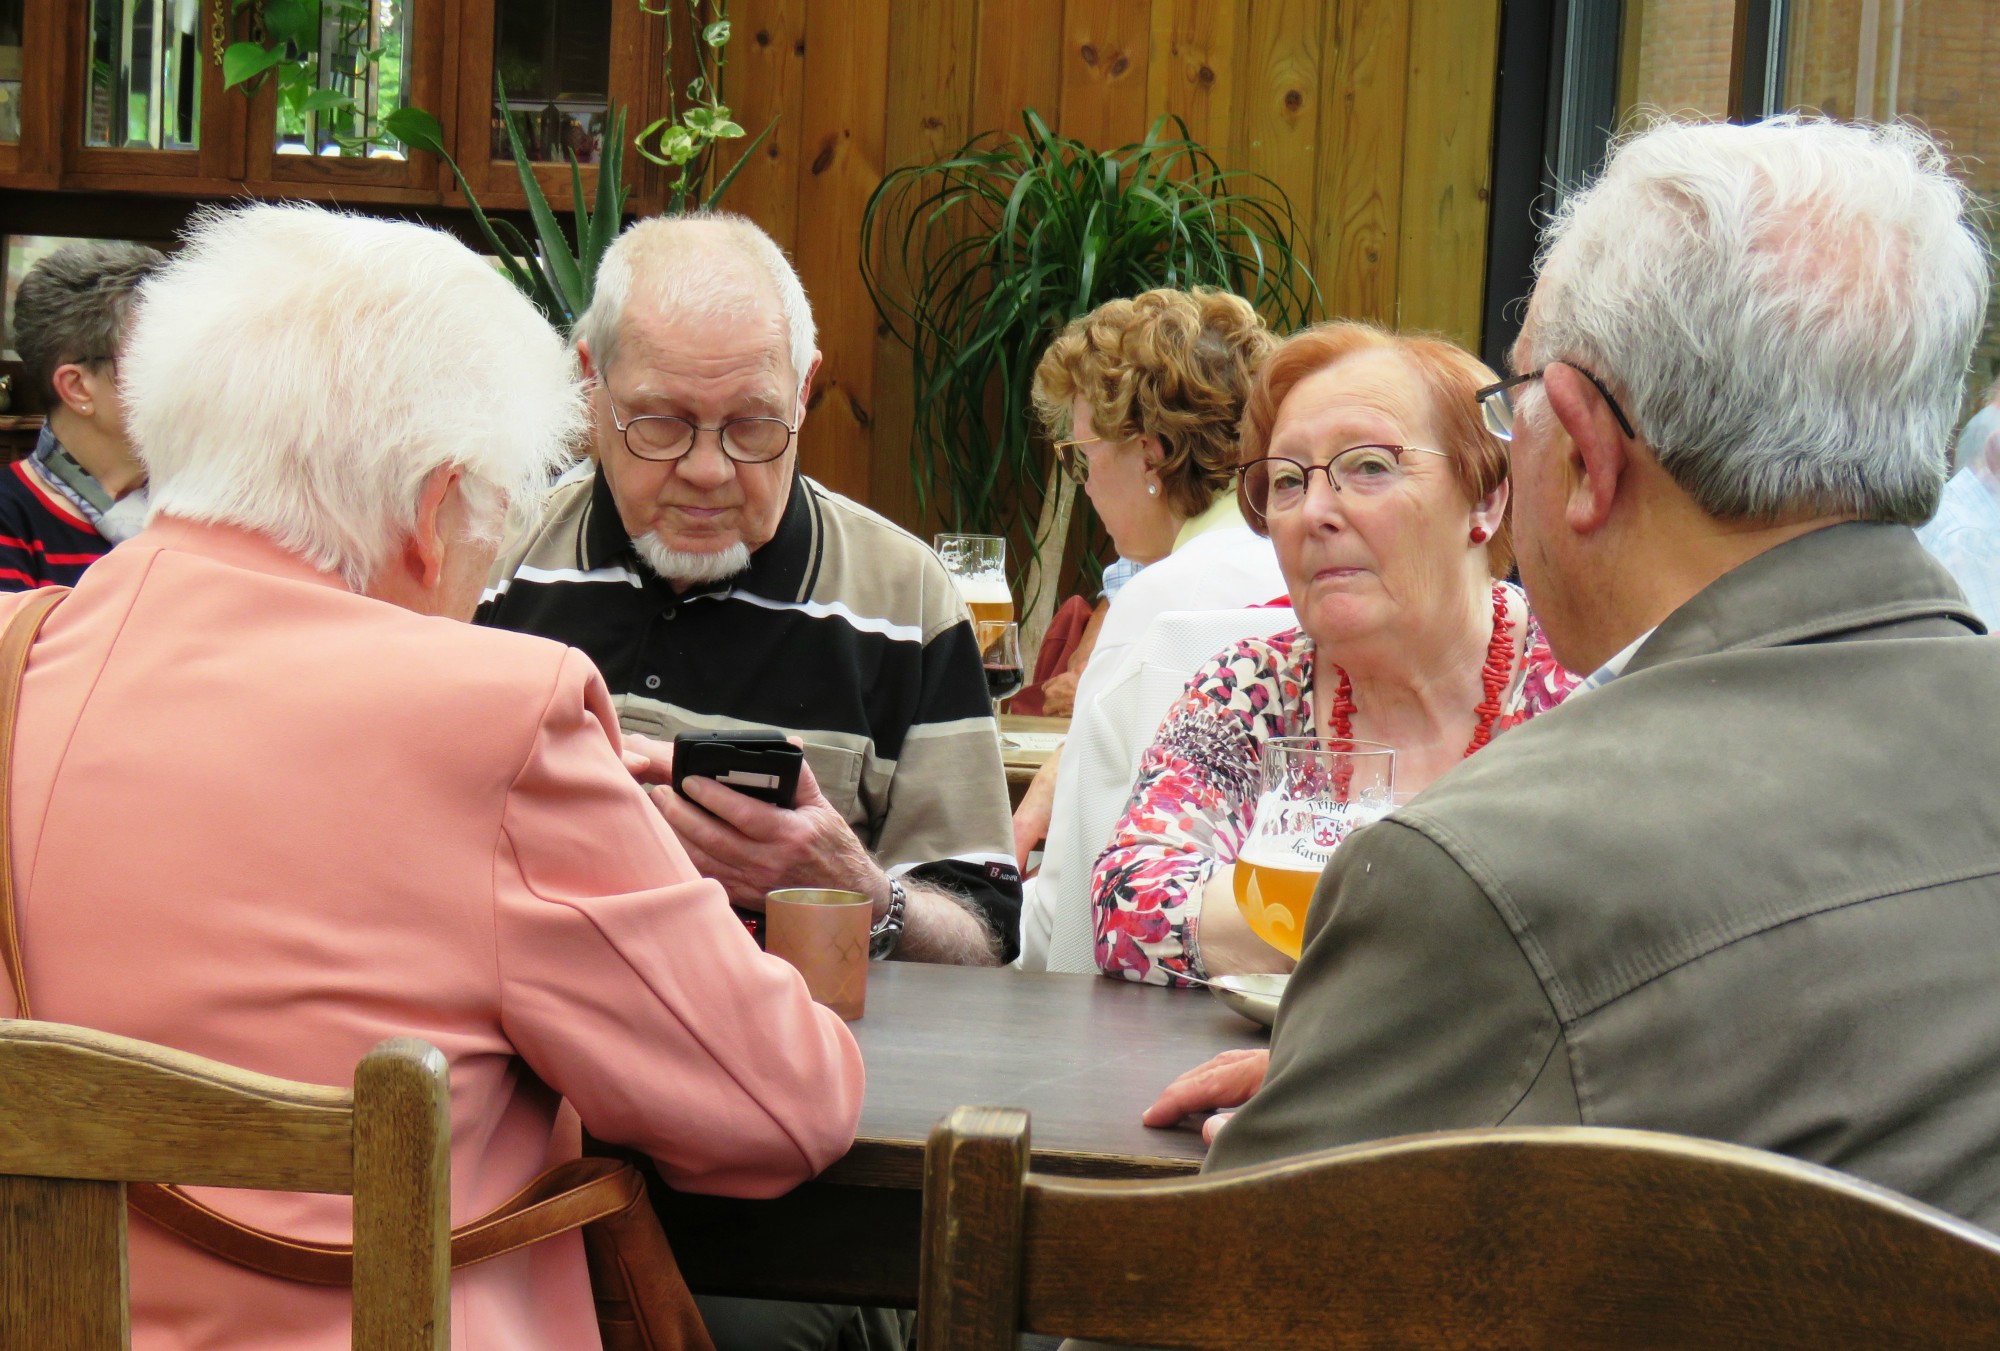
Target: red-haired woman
<point>1366,460</point>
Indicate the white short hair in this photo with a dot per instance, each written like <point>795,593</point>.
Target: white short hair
<point>671,262</point>
<point>1788,310</point>
<point>300,372</point>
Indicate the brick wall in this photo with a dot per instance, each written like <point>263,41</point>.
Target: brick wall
<point>1946,78</point>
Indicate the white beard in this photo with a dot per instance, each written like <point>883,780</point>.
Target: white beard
<point>685,567</point>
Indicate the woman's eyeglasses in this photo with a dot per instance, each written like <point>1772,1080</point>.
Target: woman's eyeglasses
<point>1069,455</point>
<point>1275,484</point>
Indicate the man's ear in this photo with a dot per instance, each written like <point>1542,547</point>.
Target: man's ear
<point>806,386</point>
<point>1599,452</point>
<point>423,551</point>
<point>585,360</point>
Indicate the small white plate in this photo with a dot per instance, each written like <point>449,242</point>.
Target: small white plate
<point>1255,997</point>
<point>1040,742</point>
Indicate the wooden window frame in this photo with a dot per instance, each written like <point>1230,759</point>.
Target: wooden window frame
<point>418,180</point>
<point>638,49</point>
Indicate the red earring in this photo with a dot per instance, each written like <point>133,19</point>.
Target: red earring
<point>1480,534</point>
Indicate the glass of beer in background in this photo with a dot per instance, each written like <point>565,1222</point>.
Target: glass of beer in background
<point>978,565</point>
<point>1316,791</point>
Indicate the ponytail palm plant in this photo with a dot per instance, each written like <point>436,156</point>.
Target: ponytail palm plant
<point>975,262</point>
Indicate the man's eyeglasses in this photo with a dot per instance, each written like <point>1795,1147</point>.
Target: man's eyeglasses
<point>746,440</point>
<point>1496,402</point>
<point>1069,454</point>
<point>1275,484</point>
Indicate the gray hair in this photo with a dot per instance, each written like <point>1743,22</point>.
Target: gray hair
<point>73,306</point>
<point>1788,308</point>
<point>301,372</point>
<point>671,259</point>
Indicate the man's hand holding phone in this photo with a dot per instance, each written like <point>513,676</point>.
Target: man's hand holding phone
<point>754,847</point>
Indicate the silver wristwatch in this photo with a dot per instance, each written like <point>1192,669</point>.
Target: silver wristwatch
<point>888,930</point>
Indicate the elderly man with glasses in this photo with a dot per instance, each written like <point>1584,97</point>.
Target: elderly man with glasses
<point>718,588</point>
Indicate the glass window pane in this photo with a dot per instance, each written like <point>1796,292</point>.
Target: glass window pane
<point>10,70</point>
<point>1927,61</point>
<point>555,60</point>
<point>360,58</point>
<point>1679,56</point>
<point>144,74</point>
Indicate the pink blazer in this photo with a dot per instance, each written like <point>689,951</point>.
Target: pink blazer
<point>267,820</point>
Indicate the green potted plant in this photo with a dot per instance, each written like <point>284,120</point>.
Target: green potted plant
<point>976,261</point>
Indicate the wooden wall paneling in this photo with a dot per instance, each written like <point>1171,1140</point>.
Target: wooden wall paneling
<point>1356,231</point>
<point>1447,163</point>
<point>1279,94</point>
<point>847,76</point>
<point>765,83</point>
<point>1018,64</point>
<point>1194,69</point>
<point>932,57</point>
<point>1106,46</point>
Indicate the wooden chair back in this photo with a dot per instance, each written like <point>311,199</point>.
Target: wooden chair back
<point>82,1113</point>
<point>1575,1238</point>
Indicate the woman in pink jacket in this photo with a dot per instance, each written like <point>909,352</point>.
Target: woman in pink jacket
<point>274,802</point>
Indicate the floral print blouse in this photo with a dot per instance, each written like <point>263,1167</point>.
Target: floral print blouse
<point>1197,790</point>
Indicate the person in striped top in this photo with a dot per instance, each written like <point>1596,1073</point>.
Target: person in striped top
<point>81,489</point>
<point>717,587</point>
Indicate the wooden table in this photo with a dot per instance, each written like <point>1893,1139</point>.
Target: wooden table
<point>1083,1054</point>
<point>1022,764</point>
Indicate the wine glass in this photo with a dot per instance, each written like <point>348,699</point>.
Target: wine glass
<point>1000,653</point>
<point>1316,791</point>
<point>978,567</point>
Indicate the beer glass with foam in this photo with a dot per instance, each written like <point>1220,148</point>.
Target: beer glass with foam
<point>1315,792</point>
<point>978,567</point>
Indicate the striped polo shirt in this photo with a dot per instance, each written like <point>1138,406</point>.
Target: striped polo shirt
<point>45,539</point>
<point>845,631</point>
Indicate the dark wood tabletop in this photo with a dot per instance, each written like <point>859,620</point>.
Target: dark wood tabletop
<point>1083,1054</point>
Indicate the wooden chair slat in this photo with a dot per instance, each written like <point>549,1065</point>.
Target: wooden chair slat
<point>1580,1238</point>
<point>402,1197</point>
<point>974,1164</point>
<point>133,1112</point>
<point>62,1265</point>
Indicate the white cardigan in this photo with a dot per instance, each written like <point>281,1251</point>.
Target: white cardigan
<point>1145,653</point>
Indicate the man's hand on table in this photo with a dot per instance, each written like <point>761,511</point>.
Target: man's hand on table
<point>1227,1081</point>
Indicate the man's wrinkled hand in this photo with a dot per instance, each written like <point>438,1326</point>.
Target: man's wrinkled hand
<point>754,848</point>
<point>1059,695</point>
<point>1227,1081</point>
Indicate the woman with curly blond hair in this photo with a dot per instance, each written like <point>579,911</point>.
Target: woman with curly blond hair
<point>1145,396</point>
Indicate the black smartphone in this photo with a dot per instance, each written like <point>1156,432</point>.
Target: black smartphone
<point>759,764</point>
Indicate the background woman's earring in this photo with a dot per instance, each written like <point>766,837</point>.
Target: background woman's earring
<point>1152,490</point>
<point>1480,534</point>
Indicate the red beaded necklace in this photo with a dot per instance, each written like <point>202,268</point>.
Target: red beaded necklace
<point>1493,677</point>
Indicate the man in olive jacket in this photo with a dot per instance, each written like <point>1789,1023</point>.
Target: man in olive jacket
<point>1747,886</point>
